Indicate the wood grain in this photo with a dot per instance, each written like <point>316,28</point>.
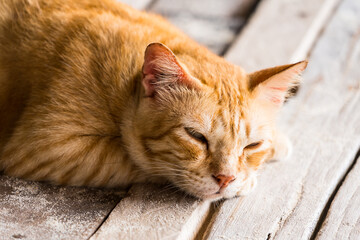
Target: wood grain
<point>279,32</point>
<point>343,219</point>
<point>324,123</point>
<point>152,212</point>
<point>212,23</point>
<point>33,210</point>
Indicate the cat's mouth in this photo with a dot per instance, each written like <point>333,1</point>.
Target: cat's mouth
<point>220,191</point>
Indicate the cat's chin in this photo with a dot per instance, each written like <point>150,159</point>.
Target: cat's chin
<point>219,196</point>
<point>212,197</point>
<point>247,188</point>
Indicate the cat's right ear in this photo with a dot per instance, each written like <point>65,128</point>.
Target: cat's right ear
<point>162,69</point>
<point>272,85</point>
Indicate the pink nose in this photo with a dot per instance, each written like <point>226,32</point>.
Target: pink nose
<point>223,180</point>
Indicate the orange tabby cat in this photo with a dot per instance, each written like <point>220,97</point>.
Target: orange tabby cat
<point>95,93</point>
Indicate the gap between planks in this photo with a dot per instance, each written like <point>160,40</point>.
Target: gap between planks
<point>247,16</point>
<point>326,209</point>
<point>262,43</point>
<point>343,219</point>
<point>105,218</point>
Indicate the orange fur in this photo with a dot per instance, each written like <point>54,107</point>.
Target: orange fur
<point>80,105</point>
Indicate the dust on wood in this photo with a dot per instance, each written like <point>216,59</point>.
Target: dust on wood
<point>154,212</point>
<point>34,210</point>
<point>280,31</point>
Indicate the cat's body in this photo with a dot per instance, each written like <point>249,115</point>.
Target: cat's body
<point>79,105</point>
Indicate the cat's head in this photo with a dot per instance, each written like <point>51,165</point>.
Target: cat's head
<point>207,137</point>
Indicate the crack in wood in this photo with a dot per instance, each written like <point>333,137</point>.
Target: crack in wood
<point>325,210</point>
<point>209,221</point>
<point>247,18</point>
<point>150,5</point>
<point>283,221</point>
<point>206,224</point>
<point>104,219</point>
<point>268,236</point>
<point>316,30</point>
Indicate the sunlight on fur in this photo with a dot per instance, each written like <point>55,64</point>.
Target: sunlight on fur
<point>95,93</point>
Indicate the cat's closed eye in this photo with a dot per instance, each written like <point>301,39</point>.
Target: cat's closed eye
<point>254,145</point>
<point>197,136</point>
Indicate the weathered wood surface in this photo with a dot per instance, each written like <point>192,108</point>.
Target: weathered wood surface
<point>343,220</point>
<point>32,210</point>
<point>138,4</point>
<point>324,123</point>
<point>322,120</point>
<point>280,31</point>
<point>213,23</point>
<point>152,212</point>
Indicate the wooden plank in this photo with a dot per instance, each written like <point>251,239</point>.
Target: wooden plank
<point>280,31</point>
<point>152,212</point>
<point>33,210</point>
<point>324,123</point>
<point>212,23</point>
<point>343,219</point>
<point>138,4</point>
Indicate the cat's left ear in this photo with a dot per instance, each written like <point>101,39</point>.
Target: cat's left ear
<point>273,84</point>
<point>162,69</point>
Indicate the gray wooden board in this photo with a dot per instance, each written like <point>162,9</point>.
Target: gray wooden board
<point>33,210</point>
<point>213,23</point>
<point>280,31</point>
<point>154,212</point>
<point>323,121</point>
<point>138,4</point>
<point>343,219</point>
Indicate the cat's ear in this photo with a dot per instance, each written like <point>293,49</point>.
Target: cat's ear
<point>162,69</point>
<point>273,84</point>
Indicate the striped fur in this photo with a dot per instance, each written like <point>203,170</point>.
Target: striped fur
<point>79,105</point>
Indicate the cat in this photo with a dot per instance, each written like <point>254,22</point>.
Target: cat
<point>95,93</point>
